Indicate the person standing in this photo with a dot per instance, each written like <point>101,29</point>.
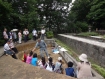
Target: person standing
<point>15,36</point>
<point>20,37</point>
<point>25,33</point>
<point>83,67</point>
<point>34,33</point>
<point>11,34</point>
<point>43,47</point>
<point>5,35</point>
<point>42,33</point>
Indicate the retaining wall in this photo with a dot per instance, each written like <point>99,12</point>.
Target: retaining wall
<point>96,53</point>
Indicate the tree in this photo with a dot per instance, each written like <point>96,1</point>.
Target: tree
<point>77,19</point>
<point>53,12</point>
<point>97,14</point>
<point>5,11</point>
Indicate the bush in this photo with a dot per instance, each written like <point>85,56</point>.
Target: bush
<point>49,34</point>
<point>88,34</point>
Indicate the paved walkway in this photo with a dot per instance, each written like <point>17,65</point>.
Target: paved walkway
<point>93,42</point>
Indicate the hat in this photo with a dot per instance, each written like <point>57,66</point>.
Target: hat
<point>59,58</point>
<point>83,57</point>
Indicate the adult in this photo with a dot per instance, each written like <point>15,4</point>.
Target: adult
<point>14,36</point>
<point>25,33</point>
<point>83,67</point>
<point>5,35</point>
<point>43,47</point>
<point>42,33</point>
<point>34,33</point>
<point>20,37</point>
<point>12,46</point>
<point>11,34</point>
<point>8,50</point>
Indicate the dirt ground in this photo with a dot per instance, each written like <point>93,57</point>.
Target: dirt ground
<point>28,48</point>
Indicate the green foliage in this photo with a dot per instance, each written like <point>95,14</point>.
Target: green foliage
<point>83,26</point>
<point>49,34</point>
<point>99,69</point>
<point>88,34</point>
<point>52,13</point>
<point>1,39</point>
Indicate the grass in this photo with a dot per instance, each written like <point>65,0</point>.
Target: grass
<point>99,69</point>
<point>88,34</point>
<point>70,51</point>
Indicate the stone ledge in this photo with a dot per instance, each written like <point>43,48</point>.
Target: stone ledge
<point>15,69</point>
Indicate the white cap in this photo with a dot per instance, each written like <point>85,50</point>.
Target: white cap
<point>59,58</point>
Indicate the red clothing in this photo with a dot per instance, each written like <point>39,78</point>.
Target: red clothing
<point>24,57</point>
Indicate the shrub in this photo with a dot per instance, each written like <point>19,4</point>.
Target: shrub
<point>49,34</point>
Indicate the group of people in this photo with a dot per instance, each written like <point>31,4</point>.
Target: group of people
<point>83,67</point>
<point>18,36</point>
<point>48,65</point>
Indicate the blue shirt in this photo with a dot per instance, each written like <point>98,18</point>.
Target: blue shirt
<point>34,61</point>
<point>70,71</point>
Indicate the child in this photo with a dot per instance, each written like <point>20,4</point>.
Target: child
<point>58,66</point>
<point>50,65</point>
<point>70,71</point>
<point>42,63</point>
<point>34,60</point>
<point>29,58</point>
<point>24,57</point>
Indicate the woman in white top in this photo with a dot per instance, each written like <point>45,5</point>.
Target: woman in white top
<point>20,36</point>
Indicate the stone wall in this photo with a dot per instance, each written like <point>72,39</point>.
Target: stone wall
<point>95,53</point>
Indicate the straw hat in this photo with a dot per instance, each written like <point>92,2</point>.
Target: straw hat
<point>83,57</point>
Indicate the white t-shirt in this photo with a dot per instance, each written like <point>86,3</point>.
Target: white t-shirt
<point>25,32</point>
<point>43,31</point>
<point>49,68</point>
<point>6,47</point>
<point>34,32</point>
